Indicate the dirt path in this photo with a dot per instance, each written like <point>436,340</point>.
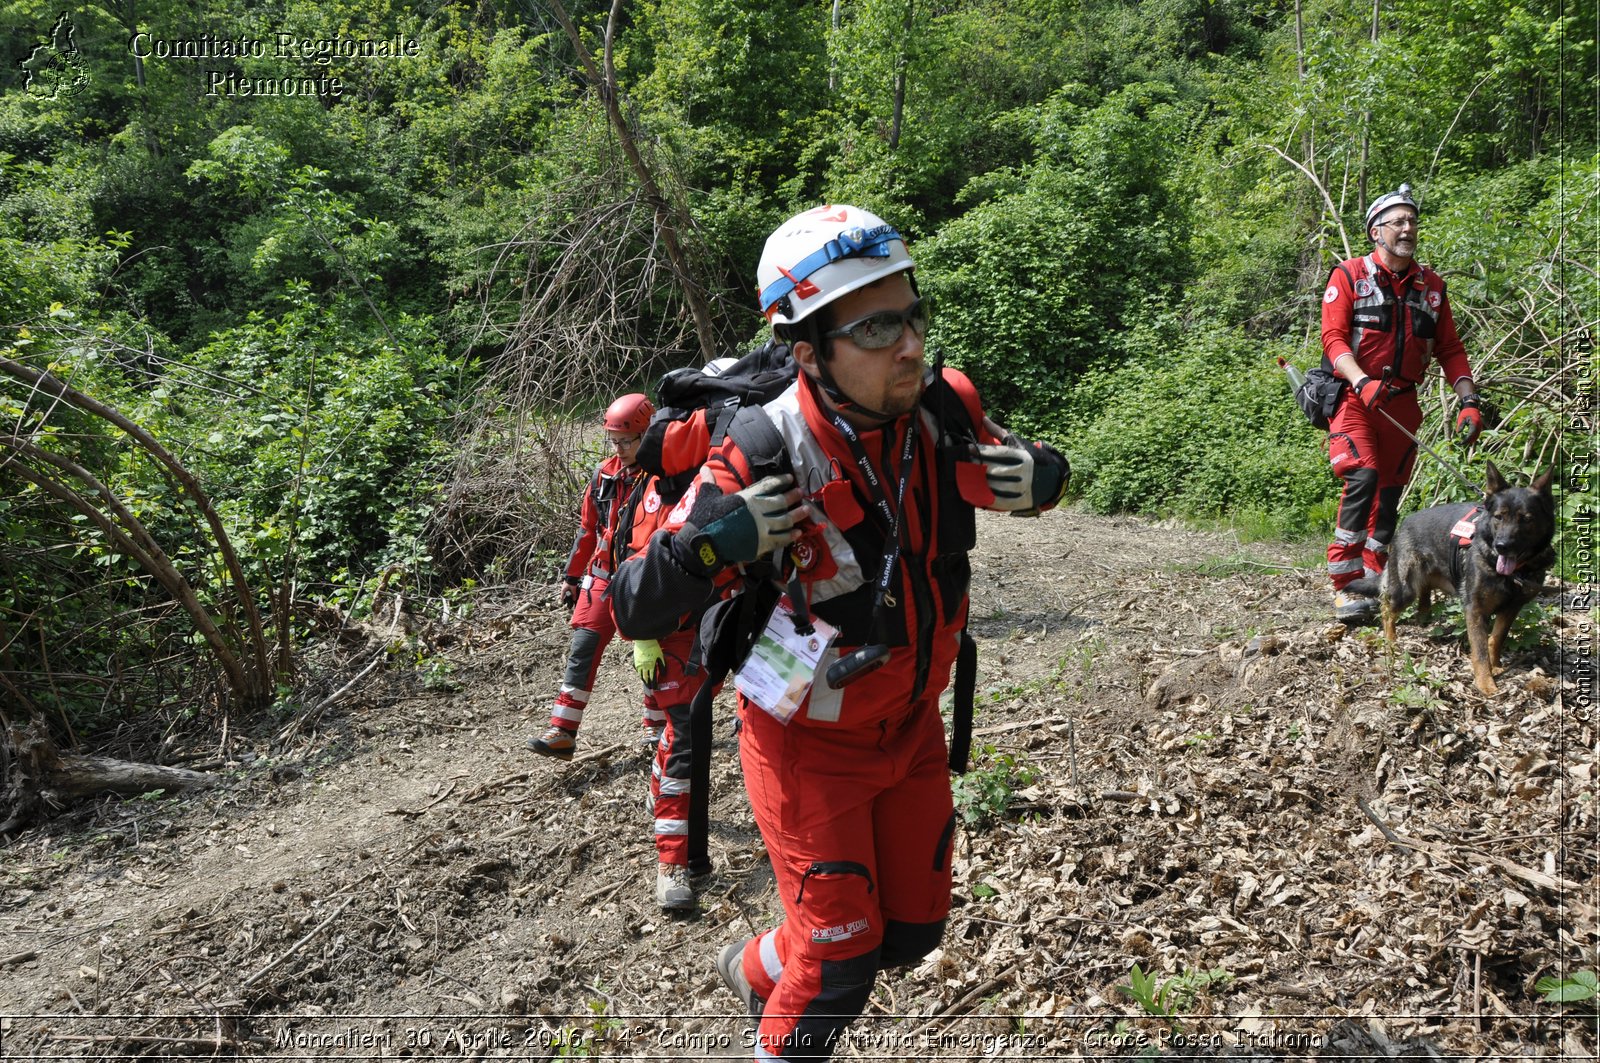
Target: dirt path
<point>1182,765</point>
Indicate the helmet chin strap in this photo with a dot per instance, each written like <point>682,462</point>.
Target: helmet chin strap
<point>830,387</point>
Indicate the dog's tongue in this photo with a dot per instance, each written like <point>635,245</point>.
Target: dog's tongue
<point>1505,565</point>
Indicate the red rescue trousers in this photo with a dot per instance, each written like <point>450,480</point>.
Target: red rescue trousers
<point>1374,458</point>
<point>858,824</point>
<point>593,628</point>
<point>669,776</point>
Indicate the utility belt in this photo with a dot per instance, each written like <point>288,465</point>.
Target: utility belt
<point>1391,390</point>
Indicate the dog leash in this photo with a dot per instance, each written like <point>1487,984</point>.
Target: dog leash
<point>1294,382</point>
<point>1451,469</point>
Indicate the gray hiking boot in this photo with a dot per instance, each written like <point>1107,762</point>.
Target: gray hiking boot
<point>557,742</point>
<point>673,892</point>
<point>730,964</point>
<point>1354,608</point>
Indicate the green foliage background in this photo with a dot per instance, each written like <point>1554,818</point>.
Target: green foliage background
<point>1123,213</point>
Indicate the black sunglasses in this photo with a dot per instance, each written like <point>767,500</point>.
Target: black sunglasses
<point>884,328</point>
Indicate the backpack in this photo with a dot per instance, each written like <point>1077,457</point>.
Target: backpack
<point>695,411</point>
<point>1318,395</point>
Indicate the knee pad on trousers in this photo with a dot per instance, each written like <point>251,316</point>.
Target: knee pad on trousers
<point>905,943</point>
<point>846,985</point>
<point>581,655</point>
<point>1355,507</point>
<point>1388,512</point>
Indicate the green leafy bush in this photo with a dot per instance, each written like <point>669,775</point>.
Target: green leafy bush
<point>1046,279</point>
<point>1203,429</point>
<point>330,447</point>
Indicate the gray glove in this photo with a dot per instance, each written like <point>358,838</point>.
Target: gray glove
<point>763,521</point>
<point>1010,476</point>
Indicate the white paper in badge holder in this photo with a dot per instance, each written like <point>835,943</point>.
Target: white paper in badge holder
<point>782,665</point>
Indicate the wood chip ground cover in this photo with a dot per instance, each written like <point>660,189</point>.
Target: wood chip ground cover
<point>1313,847</point>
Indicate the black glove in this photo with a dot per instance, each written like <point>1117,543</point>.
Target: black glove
<point>1024,476</point>
<point>1371,392</point>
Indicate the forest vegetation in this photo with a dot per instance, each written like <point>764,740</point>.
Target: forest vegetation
<point>285,329</point>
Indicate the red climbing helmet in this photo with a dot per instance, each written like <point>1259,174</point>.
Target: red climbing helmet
<point>630,413</point>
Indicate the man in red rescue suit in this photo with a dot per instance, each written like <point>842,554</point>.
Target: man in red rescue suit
<point>1384,317</point>
<point>622,504</point>
<point>588,575</point>
<point>846,767</point>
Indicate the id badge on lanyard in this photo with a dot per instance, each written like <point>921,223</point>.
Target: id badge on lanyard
<point>782,665</point>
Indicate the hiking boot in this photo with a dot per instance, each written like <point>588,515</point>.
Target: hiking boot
<point>730,964</point>
<point>673,892</point>
<point>1354,608</point>
<point>557,742</point>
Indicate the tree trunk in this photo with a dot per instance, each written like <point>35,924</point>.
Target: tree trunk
<point>833,62</point>
<point>902,60</point>
<point>1366,124</point>
<point>667,219</point>
<point>39,774</point>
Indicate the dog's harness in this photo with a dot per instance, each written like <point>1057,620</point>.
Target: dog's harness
<point>1465,530</point>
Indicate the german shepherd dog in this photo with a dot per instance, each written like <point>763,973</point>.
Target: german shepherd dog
<point>1493,554</point>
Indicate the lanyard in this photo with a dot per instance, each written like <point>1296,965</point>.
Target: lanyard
<point>880,498</point>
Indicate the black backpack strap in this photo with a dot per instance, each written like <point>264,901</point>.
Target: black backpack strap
<point>957,428</point>
<point>955,421</point>
<point>730,627</point>
<point>753,432</point>
<point>727,631</point>
<point>963,690</point>
<point>701,735</point>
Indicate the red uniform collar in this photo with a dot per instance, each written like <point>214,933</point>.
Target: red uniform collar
<point>1397,279</point>
<point>821,425</point>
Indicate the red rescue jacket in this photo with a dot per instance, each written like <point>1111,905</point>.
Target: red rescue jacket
<point>839,558</point>
<point>1397,322</point>
<point>597,520</point>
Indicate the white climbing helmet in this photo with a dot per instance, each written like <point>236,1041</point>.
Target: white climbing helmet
<point>1400,197</point>
<point>818,256</point>
<point>718,366</point>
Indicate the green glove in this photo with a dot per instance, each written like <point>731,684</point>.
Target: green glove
<point>649,662</point>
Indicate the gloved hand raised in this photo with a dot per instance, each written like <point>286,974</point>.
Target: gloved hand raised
<point>1023,476</point>
<point>649,661</point>
<point>755,522</point>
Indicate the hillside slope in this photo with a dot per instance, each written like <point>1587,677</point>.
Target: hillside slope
<point>1182,764</point>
